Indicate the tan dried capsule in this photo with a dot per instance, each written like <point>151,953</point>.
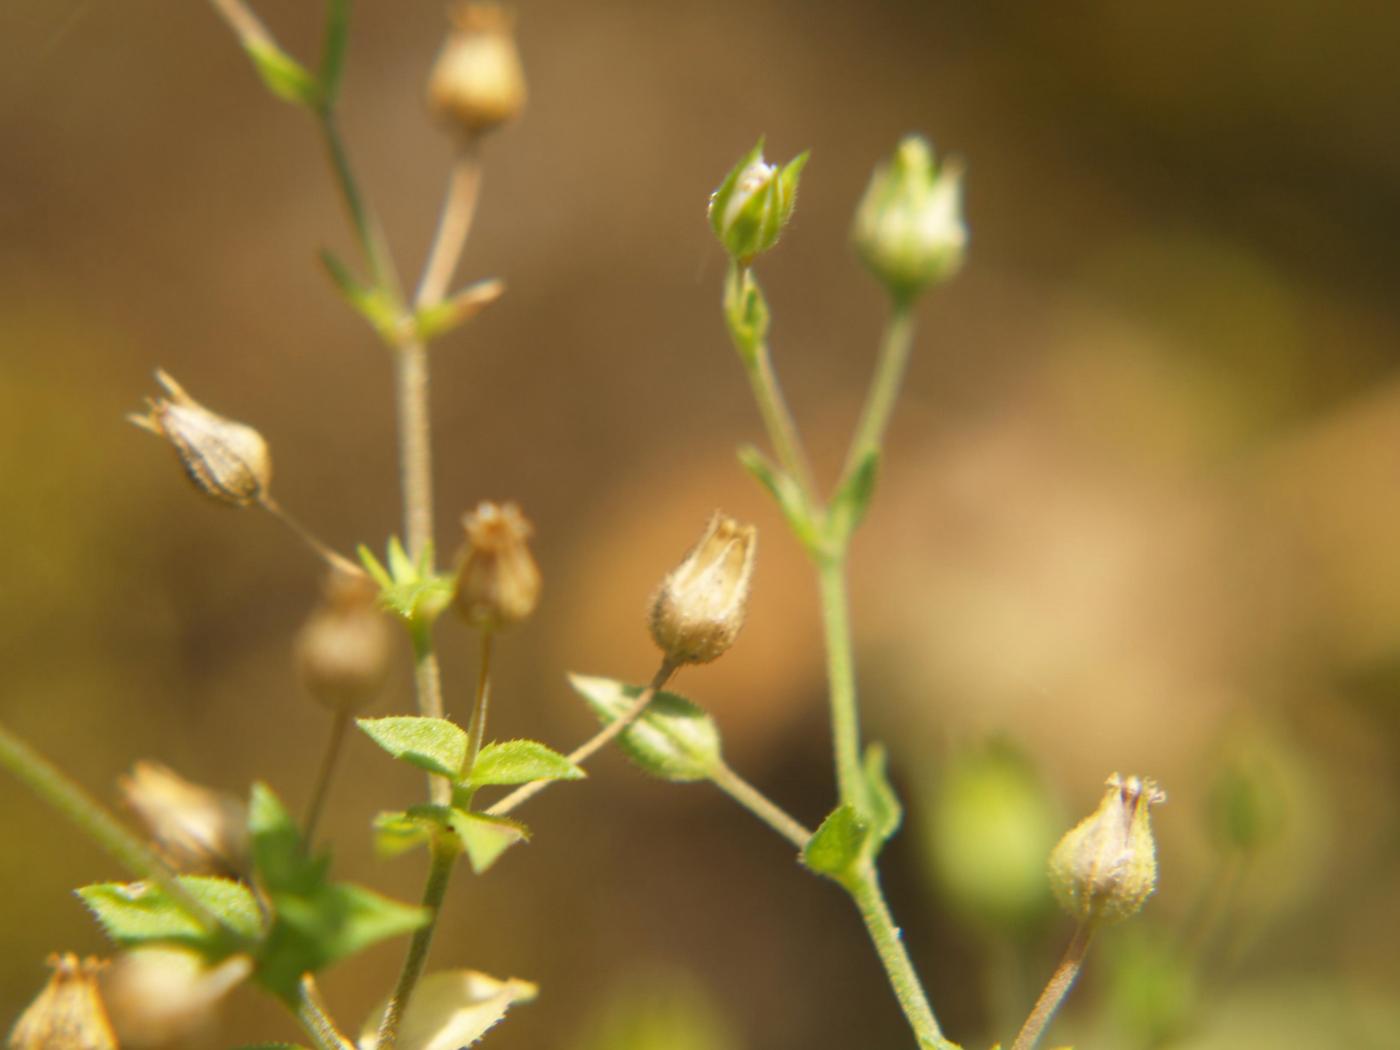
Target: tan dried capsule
<point>1106,866</point>
<point>477,82</point>
<point>227,461</point>
<point>199,830</point>
<point>700,607</point>
<point>68,1013</point>
<point>344,649</point>
<point>498,582</point>
<point>168,996</point>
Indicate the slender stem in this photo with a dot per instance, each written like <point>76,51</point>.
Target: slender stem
<point>336,561</point>
<point>368,232</point>
<point>884,387</point>
<point>864,888</point>
<point>593,744</point>
<point>92,818</point>
<point>439,873</point>
<point>476,728</point>
<point>313,1017</point>
<point>427,682</point>
<point>454,224</point>
<point>840,669</point>
<point>324,775</point>
<point>759,804</point>
<point>415,444</point>
<point>1057,988</point>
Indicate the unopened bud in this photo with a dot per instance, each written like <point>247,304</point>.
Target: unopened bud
<point>1106,866</point>
<point>754,203</point>
<point>700,607</point>
<point>909,227</point>
<point>227,461</point>
<point>498,582</point>
<point>344,649</point>
<point>162,997</point>
<point>68,1013</point>
<point>477,82</point>
<point>197,829</point>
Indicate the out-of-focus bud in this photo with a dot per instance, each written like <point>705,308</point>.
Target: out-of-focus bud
<point>498,582</point>
<point>344,649</point>
<point>68,1013</point>
<point>477,83</point>
<point>160,997</point>
<point>1105,867</point>
<point>227,461</point>
<point>700,607</point>
<point>198,830</point>
<point>909,227</point>
<point>754,203</point>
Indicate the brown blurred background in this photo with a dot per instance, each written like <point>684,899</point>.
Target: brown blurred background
<point>1139,510</point>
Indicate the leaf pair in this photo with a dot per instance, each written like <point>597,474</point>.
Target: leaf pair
<point>850,838</point>
<point>409,589</point>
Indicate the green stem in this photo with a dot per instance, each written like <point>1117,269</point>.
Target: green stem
<point>890,367</point>
<point>439,873</point>
<point>368,232</point>
<point>427,682</point>
<point>324,775</point>
<point>1056,989</point>
<point>864,888</point>
<point>759,804</point>
<point>476,727</point>
<point>55,787</point>
<point>314,1019</point>
<point>840,670</point>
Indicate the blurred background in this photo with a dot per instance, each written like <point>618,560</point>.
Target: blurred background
<point>1139,510</point>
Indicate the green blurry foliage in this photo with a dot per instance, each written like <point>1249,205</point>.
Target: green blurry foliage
<point>665,1011</point>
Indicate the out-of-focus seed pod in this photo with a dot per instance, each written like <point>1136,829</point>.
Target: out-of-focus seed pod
<point>227,461</point>
<point>1105,867</point>
<point>164,997</point>
<point>477,82</point>
<point>700,607</point>
<point>345,647</point>
<point>498,582</point>
<point>68,1014</point>
<point>198,830</point>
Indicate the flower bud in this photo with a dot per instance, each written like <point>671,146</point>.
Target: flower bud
<point>68,1013</point>
<point>754,203</point>
<point>343,650</point>
<point>498,582</point>
<point>198,830</point>
<point>227,461</point>
<point>700,607</point>
<point>909,227</point>
<point>161,997</point>
<point>477,83</point>
<point>1106,866</point>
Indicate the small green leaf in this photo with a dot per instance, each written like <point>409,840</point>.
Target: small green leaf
<point>486,838</point>
<point>519,762</point>
<point>373,304</point>
<point>746,313</point>
<point>377,572</point>
<point>141,913</point>
<point>784,490</point>
<point>333,50</point>
<point>673,739</point>
<point>439,319</point>
<point>433,744</point>
<point>401,566</point>
<point>279,857</point>
<point>853,500</point>
<point>401,830</point>
<point>283,75</point>
<point>410,590</point>
<point>838,846</point>
<point>450,1010</point>
<point>885,810</point>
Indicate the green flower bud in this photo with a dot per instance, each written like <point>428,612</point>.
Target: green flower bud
<point>754,203</point>
<point>1106,866</point>
<point>909,227</point>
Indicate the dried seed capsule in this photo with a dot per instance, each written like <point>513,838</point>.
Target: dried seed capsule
<point>68,1013</point>
<point>700,607</point>
<point>477,83</point>
<point>199,830</point>
<point>498,582</point>
<point>227,461</point>
<point>344,649</point>
<point>1106,866</point>
<point>169,996</point>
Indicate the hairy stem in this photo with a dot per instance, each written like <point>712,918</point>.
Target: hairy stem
<point>454,224</point>
<point>315,1020</point>
<point>1056,988</point>
<point>759,804</point>
<point>427,682</point>
<point>324,775</point>
<point>841,683</point>
<point>439,873</point>
<point>415,444</point>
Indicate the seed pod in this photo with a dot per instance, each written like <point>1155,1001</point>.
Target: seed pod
<point>197,829</point>
<point>169,996</point>
<point>227,461</point>
<point>344,649</point>
<point>700,607</point>
<point>68,1013</point>
<point>1106,866</point>
<point>477,83</point>
<point>498,582</point>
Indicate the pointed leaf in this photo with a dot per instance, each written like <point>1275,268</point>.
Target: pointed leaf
<point>673,739</point>
<point>140,913</point>
<point>278,855</point>
<point>450,1010</point>
<point>719,200</point>
<point>401,830</point>
<point>784,490</point>
<point>885,810</point>
<point>333,51</point>
<point>401,566</point>
<point>283,75</point>
<point>441,318</point>
<point>372,565</point>
<point>486,838</point>
<point>433,744</point>
<point>519,762</point>
<point>853,500</point>
<point>370,303</point>
<point>838,846</point>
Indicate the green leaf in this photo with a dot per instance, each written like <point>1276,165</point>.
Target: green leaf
<point>411,591</point>
<point>400,564</point>
<point>853,499</point>
<point>283,75</point>
<point>371,303</point>
<point>519,762</point>
<point>784,490</point>
<point>746,313</point>
<point>401,830</point>
<point>333,50</point>
<point>450,1010</point>
<point>838,846</point>
<point>719,200</point>
<point>673,739</point>
<point>141,913</point>
<point>885,810</point>
<point>433,744</point>
<point>486,838</point>
<point>279,857</point>
<point>377,572</point>
<point>440,318</point>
